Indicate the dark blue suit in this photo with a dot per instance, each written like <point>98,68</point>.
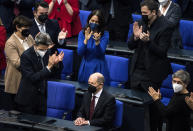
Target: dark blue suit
<point>32,92</point>
<point>52,28</point>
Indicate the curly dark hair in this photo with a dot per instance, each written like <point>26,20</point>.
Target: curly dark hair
<point>151,4</point>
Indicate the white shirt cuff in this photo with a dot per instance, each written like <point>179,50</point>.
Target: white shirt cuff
<point>61,41</point>
<point>48,69</point>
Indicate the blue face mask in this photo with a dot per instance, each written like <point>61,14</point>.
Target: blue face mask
<point>93,26</point>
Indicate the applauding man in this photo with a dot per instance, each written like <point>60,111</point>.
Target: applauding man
<point>37,66</point>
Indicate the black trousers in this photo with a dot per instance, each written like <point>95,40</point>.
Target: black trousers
<point>38,106</point>
<point>142,82</point>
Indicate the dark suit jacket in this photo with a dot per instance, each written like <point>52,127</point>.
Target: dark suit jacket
<point>52,28</point>
<point>122,11</point>
<point>34,76</point>
<point>7,15</point>
<point>104,113</point>
<point>156,63</point>
<point>25,8</point>
<point>174,15</point>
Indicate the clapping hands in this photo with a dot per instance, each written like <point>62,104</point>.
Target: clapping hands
<point>156,95</point>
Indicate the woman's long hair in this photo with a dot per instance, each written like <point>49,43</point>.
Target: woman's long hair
<point>101,20</point>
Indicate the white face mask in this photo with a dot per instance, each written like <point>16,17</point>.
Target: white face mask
<point>163,2</point>
<point>177,87</point>
<point>41,53</point>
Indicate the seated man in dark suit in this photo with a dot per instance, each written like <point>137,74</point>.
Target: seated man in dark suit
<point>37,66</point>
<point>98,106</point>
<point>42,23</point>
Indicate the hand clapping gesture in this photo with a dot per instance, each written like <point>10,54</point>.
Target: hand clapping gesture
<point>55,59</point>
<point>155,95</point>
<point>144,36</point>
<point>62,34</point>
<point>136,30</point>
<point>189,100</point>
<point>88,34</point>
<point>97,37</point>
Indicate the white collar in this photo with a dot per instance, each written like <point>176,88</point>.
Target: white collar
<point>98,94</point>
<point>39,23</point>
<point>20,40</point>
<point>161,8</point>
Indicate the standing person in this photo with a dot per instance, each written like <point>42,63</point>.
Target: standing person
<point>41,23</point>
<point>37,66</point>
<point>67,14</point>
<point>150,40</point>
<point>117,15</point>
<point>18,42</point>
<point>3,38</point>
<point>177,112</point>
<point>173,13</point>
<point>92,43</point>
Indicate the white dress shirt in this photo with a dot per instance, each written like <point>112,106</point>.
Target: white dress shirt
<point>42,29</point>
<point>59,1</point>
<point>97,96</point>
<point>161,9</point>
<point>23,42</point>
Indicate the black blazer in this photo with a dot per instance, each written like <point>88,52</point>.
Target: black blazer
<point>104,113</point>
<point>174,15</point>
<point>122,11</point>
<point>155,59</point>
<point>52,28</point>
<point>34,76</point>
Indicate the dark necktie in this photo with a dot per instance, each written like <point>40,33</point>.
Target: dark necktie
<point>92,104</point>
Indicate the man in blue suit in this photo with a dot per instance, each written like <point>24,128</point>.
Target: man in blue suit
<point>37,66</point>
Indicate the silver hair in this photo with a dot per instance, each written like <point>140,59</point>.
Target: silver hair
<point>100,79</point>
<point>184,76</point>
<point>43,38</point>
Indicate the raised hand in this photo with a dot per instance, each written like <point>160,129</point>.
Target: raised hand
<point>137,30</point>
<point>62,34</point>
<point>87,35</point>
<point>144,36</point>
<point>155,95</point>
<point>51,60</point>
<point>96,37</point>
<point>189,100</point>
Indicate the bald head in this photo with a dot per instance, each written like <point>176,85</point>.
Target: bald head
<point>98,77</point>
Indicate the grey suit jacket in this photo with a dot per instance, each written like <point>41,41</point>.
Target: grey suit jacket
<point>173,16</point>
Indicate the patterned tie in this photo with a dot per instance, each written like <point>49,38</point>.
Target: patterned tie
<point>92,104</point>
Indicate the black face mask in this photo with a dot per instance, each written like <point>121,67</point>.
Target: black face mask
<point>91,88</point>
<point>145,19</point>
<point>25,32</point>
<point>42,18</point>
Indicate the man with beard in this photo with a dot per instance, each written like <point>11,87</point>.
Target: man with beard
<point>41,23</point>
<point>150,40</point>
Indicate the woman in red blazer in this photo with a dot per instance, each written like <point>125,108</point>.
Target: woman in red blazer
<point>3,38</point>
<point>67,14</point>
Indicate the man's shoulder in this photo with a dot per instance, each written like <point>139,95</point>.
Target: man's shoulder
<point>28,52</point>
<point>108,95</point>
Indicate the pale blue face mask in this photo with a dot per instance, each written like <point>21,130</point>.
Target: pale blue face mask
<point>93,26</point>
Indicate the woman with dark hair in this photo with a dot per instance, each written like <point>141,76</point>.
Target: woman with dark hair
<point>92,42</point>
<point>17,43</point>
<point>3,38</point>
